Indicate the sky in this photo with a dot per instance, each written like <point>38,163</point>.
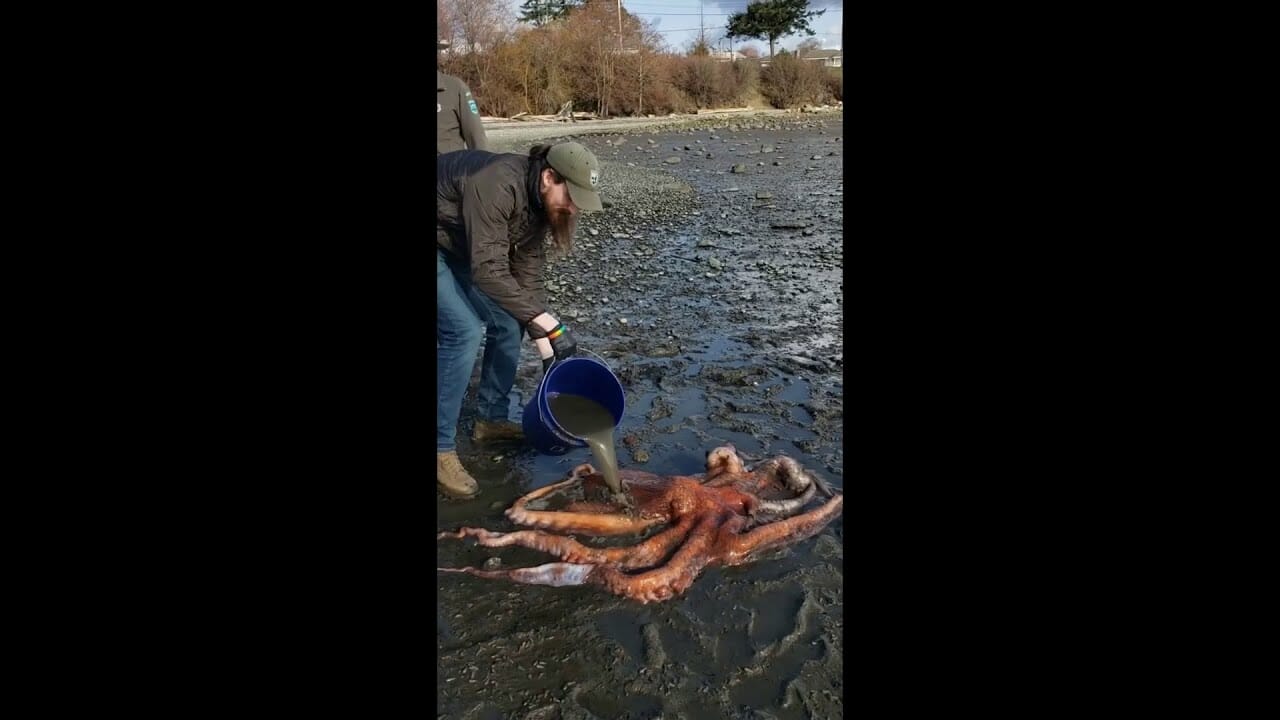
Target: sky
<point>678,22</point>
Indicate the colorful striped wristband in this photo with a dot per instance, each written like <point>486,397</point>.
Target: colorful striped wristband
<point>557,332</point>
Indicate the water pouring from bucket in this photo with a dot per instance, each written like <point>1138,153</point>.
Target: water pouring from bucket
<point>579,403</point>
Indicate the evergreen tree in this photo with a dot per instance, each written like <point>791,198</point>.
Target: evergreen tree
<point>772,19</point>
<point>541,12</point>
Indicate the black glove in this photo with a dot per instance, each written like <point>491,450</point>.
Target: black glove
<point>547,327</point>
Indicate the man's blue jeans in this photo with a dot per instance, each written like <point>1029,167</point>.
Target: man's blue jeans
<point>461,310</point>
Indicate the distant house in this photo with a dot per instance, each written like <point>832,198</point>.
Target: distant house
<point>727,55</point>
<point>828,58</point>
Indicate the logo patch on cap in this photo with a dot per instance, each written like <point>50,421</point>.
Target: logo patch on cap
<point>595,176</point>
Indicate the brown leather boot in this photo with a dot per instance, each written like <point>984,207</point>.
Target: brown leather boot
<point>452,479</point>
<point>496,431</point>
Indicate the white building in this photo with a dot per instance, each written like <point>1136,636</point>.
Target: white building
<point>828,58</point>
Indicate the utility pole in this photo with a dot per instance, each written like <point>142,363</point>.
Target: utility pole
<point>702,30</point>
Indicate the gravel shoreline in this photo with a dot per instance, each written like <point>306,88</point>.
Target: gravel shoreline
<point>511,136</point>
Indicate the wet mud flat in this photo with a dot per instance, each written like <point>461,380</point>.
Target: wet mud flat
<point>712,286</point>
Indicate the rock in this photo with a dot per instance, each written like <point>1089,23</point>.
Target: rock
<point>806,362</point>
<point>789,225</point>
<point>739,168</point>
<point>762,195</point>
<point>493,563</point>
<point>709,156</point>
<point>672,160</point>
<point>775,162</point>
<point>766,148</point>
<point>704,243</point>
<point>816,157</point>
<point>652,142</point>
<point>715,263</point>
<point>593,231</point>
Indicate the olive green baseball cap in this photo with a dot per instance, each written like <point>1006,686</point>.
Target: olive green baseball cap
<point>580,170</point>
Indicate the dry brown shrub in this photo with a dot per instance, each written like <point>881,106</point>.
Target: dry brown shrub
<point>789,81</point>
<point>835,83</point>
<point>536,70</point>
<point>710,83</point>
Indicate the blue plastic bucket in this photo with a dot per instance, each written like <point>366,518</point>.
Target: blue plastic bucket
<point>578,375</point>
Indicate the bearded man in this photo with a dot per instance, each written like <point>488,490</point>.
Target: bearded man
<point>495,216</point>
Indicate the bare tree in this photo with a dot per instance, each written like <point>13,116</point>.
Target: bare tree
<point>478,26</point>
<point>444,30</point>
<point>808,45</point>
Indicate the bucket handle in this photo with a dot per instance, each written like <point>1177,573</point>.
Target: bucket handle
<point>538,389</point>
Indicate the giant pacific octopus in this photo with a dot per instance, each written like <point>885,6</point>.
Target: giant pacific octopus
<point>727,517</point>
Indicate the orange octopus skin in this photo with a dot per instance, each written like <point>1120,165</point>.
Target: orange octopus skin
<point>717,519</point>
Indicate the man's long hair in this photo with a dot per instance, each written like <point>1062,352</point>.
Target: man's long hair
<point>561,224</point>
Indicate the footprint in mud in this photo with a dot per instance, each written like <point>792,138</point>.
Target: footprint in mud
<point>774,615</point>
<point>830,547</point>
<point>768,678</point>
<point>623,628</point>
<point>612,705</point>
<point>484,711</point>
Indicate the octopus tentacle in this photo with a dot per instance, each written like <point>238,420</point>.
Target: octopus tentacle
<point>600,508</point>
<point>554,574</point>
<point>784,532</point>
<point>586,523</point>
<point>770,510</point>
<point>672,578</point>
<point>796,479</point>
<point>644,554</point>
<point>723,461</point>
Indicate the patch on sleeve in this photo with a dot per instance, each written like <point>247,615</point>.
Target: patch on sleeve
<point>472,104</point>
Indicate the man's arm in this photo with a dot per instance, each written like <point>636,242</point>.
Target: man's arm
<point>527,261</point>
<point>469,119</point>
<point>487,204</point>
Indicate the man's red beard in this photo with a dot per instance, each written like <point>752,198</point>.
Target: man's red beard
<point>563,224</point>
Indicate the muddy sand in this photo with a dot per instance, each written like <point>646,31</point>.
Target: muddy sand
<point>716,296</point>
